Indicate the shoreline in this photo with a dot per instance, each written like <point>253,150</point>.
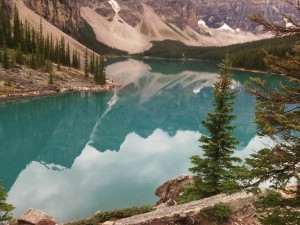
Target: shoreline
<point>29,83</point>
<point>202,60</point>
<point>77,85</point>
<point>110,86</point>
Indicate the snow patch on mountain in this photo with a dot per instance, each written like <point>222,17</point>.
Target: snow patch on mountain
<point>226,27</point>
<point>202,23</point>
<point>288,23</point>
<point>115,5</point>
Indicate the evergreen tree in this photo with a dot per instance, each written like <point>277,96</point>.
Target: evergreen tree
<point>5,208</point>
<point>50,71</point>
<point>75,60</point>
<point>86,64</point>
<point>78,60</point>
<point>17,28</point>
<point>52,49</point>
<point>68,56</point>
<point>62,51</point>
<point>19,55</point>
<point>101,71</point>
<point>97,71</point>
<point>6,29</point>
<point>92,63</point>
<point>278,117</point>
<point>5,58</point>
<point>33,63</point>
<point>216,170</point>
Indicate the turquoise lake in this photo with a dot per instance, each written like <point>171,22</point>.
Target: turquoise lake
<point>74,154</point>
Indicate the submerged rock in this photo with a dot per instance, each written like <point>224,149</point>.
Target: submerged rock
<point>171,190</point>
<point>36,217</point>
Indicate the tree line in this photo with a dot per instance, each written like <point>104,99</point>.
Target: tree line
<point>246,55</point>
<point>21,44</point>
<point>30,46</point>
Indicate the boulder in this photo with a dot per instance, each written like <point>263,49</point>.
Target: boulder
<point>172,188</point>
<point>36,217</point>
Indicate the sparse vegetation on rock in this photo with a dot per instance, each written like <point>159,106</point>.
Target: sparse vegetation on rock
<point>5,208</point>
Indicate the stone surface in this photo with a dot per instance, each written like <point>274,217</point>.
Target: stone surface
<point>215,13</point>
<point>172,188</point>
<point>109,223</point>
<point>36,217</point>
<point>239,202</point>
<point>63,14</point>
<point>181,13</point>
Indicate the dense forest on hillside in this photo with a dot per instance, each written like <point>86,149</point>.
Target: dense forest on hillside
<point>20,44</point>
<point>247,55</point>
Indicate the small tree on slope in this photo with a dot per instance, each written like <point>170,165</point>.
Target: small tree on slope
<point>216,168</point>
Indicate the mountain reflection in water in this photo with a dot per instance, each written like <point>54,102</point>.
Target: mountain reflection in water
<point>111,150</point>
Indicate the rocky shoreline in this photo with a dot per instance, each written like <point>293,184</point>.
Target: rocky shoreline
<point>26,83</point>
<point>240,203</point>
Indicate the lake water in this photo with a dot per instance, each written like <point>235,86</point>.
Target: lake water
<point>74,154</point>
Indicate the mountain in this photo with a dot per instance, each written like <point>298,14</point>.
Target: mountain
<point>131,25</point>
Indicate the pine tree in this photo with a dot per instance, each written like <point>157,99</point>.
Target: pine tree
<point>50,71</point>
<point>68,55</point>
<point>52,49</point>
<point>17,28</point>
<point>62,51</point>
<point>216,170</point>
<point>86,64</point>
<point>92,63</point>
<point>101,71</point>
<point>97,71</point>
<point>78,60</point>
<point>5,208</point>
<point>278,117</point>
<point>19,55</point>
<point>33,63</point>
<point>5,58</point>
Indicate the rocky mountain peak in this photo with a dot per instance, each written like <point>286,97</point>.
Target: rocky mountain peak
<point>131,25</point>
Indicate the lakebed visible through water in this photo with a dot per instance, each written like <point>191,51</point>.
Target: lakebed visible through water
<point>74,154</point>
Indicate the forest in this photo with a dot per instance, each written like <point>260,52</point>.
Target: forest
<point>246,55</point>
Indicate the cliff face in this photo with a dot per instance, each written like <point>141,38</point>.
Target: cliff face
<point>178,12</point>
<point>182,13</point>
<point>64,14</point>
<point>131,25</point>
<point>215,13</point>
<point>236,13</point>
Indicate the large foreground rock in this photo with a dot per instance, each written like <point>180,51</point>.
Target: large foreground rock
<point>36,217</point>
<point>172,188</point>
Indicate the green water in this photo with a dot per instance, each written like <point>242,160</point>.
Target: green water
<point>74,154</point>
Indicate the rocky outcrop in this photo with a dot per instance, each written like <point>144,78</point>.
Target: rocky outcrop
<point>36,217</point>
<point>178,12</point>
<point>171,189</point>
<point>236,13</point>
<point>152,20</point>
<point>215,13</point>
<point>181,13</point>
<point>240,203</point>
<point>106,11</point>
<point>63,14</point>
